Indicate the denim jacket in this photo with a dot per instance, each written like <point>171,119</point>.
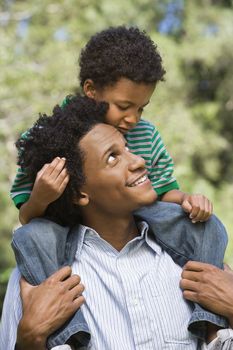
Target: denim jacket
<point>42,247</point>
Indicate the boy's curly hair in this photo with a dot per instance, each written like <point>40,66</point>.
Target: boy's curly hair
<point>59,136</point>
<point>120,52</point>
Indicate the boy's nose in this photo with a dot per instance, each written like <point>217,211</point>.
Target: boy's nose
<point>131,119</point>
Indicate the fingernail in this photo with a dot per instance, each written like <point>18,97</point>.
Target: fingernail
<point>193,221</point>
<point>190,216</point>
<point>63,158</point>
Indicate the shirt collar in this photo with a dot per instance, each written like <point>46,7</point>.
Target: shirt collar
<point>85,232</point>
<point>149,239</point>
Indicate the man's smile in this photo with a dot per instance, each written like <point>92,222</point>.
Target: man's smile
<point>143,178</point>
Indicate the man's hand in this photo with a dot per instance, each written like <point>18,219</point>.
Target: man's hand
<point>49,185</point>
<point>198,206</point>
<point>47,307</point>
<point>209,286</point>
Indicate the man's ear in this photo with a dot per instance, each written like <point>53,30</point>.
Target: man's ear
<point>89,88</point>
<point>83,200</point>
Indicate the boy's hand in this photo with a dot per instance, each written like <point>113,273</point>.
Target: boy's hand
<point>198,206</point>
<point>49,185</point>
<point>50,182</point>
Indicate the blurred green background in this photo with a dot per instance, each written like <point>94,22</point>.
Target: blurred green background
<point>193,109</point>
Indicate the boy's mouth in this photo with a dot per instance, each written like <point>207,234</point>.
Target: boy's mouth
<point>122,130</point>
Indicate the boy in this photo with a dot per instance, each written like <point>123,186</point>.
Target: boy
<point>122,67</point>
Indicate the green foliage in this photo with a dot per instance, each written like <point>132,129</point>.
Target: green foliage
<point>40,44</point>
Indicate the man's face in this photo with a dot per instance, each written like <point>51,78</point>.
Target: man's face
<point>116,180</point>
<point>126,102</point>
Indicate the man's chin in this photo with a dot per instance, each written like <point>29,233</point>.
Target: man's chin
<point>147,200</point>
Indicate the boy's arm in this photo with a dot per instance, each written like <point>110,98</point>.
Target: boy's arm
<point>21,188</point>
<point>166,186</point>
<point>50,183</point>
<point>198,206</point>
<point>174,196</point>
<point>161,166</point>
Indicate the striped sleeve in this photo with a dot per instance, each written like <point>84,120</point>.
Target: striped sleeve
<point>146,141</point>
<point>22,186</point>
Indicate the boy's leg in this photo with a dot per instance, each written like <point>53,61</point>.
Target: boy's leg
<point>185,241</point>
<point>41,248</point>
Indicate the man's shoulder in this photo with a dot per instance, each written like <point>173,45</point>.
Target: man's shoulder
<point>13,284</point>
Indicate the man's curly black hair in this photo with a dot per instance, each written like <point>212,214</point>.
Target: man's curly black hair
<point>120,52</point>
<point>59,136</point>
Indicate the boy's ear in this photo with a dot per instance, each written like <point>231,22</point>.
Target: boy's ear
<point>89,88</point>
<point>83,200</point>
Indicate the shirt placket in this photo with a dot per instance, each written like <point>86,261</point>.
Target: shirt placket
<point>140,323</point>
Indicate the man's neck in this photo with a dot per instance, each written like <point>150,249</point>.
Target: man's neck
<point>116,231</point>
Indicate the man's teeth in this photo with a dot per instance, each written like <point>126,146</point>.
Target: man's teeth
<point>139,181</point>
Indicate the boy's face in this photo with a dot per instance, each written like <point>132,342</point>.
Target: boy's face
<point>126,102</point>
<point>116,180</point>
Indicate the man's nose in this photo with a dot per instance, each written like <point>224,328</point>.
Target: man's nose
<point>136,162</point>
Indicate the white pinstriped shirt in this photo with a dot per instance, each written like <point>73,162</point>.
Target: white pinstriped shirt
<point>133,299</point>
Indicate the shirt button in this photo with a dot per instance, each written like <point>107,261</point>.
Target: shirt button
<point>135,302</point>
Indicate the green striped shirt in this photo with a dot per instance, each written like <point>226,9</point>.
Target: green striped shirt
<point>143,140</point>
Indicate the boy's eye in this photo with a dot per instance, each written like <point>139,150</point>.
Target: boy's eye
<point>123,108</point>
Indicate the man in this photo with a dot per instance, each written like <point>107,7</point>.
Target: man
<point>132,295</point>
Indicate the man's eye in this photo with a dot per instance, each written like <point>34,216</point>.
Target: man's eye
<point>112,158</point>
